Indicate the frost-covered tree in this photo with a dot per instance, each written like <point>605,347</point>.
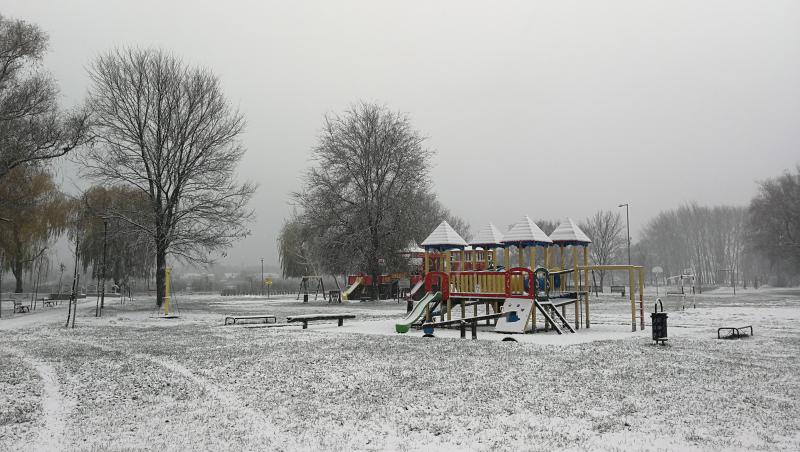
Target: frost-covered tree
<point>368,193</point>
<point>166,130</point>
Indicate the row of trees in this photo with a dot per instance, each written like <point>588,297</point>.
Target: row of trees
<point>158,137</point>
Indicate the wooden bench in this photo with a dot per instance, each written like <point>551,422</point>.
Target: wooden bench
<point>618,289</point>
<point>234,318</point>
<point>19,307</point>
<point>736,331</point>
<point>314,317</point>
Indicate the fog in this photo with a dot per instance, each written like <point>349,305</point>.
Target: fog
<point>549,109</point>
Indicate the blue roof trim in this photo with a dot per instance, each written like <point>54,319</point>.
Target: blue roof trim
<point>442,247</point>
<point>571,243</point>
<point>529,243</point>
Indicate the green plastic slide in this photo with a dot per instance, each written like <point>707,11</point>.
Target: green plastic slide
<point>418,311</point>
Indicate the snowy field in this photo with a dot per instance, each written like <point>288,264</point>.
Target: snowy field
<point>133,381</point>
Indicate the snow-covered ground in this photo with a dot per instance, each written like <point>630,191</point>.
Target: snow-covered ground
<point>133,380</point>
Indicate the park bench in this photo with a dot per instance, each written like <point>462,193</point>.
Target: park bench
<point>20,307</point>
<point>47,302</point>
<point>234,318</point>
<point>735,331</point>
<point>618,289</point>
<point>314,317</point>
<point>428,327</point>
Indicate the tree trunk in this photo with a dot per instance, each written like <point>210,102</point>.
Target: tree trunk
<point>16,270</point>
<point>161,266</point>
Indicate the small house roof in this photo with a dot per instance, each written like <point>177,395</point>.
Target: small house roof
<point>526,233</point>
<point>568,233</point>
<point>443,237</point>
<point>488,236</point>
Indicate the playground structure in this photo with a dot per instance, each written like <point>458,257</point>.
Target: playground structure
<point>462,275</point>
<point>390,285</point>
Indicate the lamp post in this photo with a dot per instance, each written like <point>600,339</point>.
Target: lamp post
<point>628,229</point>
<point>262,277</point>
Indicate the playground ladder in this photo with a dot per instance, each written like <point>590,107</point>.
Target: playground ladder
<point>553,310</point>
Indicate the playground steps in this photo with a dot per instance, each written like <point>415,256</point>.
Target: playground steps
<point>549,310</point>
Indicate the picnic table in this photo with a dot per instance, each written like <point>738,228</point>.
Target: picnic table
<point>268,318</point>
<point>315,317</point>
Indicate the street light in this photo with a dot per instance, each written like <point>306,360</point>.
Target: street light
<point>628,228</point>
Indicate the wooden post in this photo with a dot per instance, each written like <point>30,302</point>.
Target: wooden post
<point>449,309</point>
<point>575,284</point>
<point>586,283</point>
<point>561,266</point>
<point>533,258</point>
<point>427,266</point>
<point>547,257</point>
<point>520,256</point>
<point>633,298</point>
<point>506,257</point>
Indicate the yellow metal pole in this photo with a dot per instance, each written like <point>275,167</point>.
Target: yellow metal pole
<point>167,272</point>
<point>641,296</point>
<point>506,256</point>
<point>586,283</point>
<point>520,256</point>
<point>575,284</point>
<point>533,257</point>
<point>633,297</point>
<point>427,267</point>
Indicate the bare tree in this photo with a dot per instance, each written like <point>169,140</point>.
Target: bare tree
<point>606,229</point>
<point>167,130</point>
<point>32,128</point>
<point>774,223</point>
<point>363,199</point>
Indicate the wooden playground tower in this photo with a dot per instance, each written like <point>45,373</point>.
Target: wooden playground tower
<point>468,274</point>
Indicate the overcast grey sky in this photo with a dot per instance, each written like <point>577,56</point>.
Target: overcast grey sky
<point>549,109</point>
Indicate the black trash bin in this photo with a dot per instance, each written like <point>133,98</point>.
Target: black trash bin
<point>658,323</point>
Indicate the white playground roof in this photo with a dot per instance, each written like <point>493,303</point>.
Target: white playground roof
<point>488,235</point>
<point>444,236</point>
<point>413,248</point>
<point>569,232</point>
<point>527,233</point>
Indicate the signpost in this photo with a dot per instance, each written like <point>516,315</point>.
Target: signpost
<point>268,283</point>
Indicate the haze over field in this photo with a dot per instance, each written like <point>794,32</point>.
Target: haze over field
<point>549,109</point>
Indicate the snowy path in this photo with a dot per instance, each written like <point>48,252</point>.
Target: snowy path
<point>54,406</point>
<point>229,400</point>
